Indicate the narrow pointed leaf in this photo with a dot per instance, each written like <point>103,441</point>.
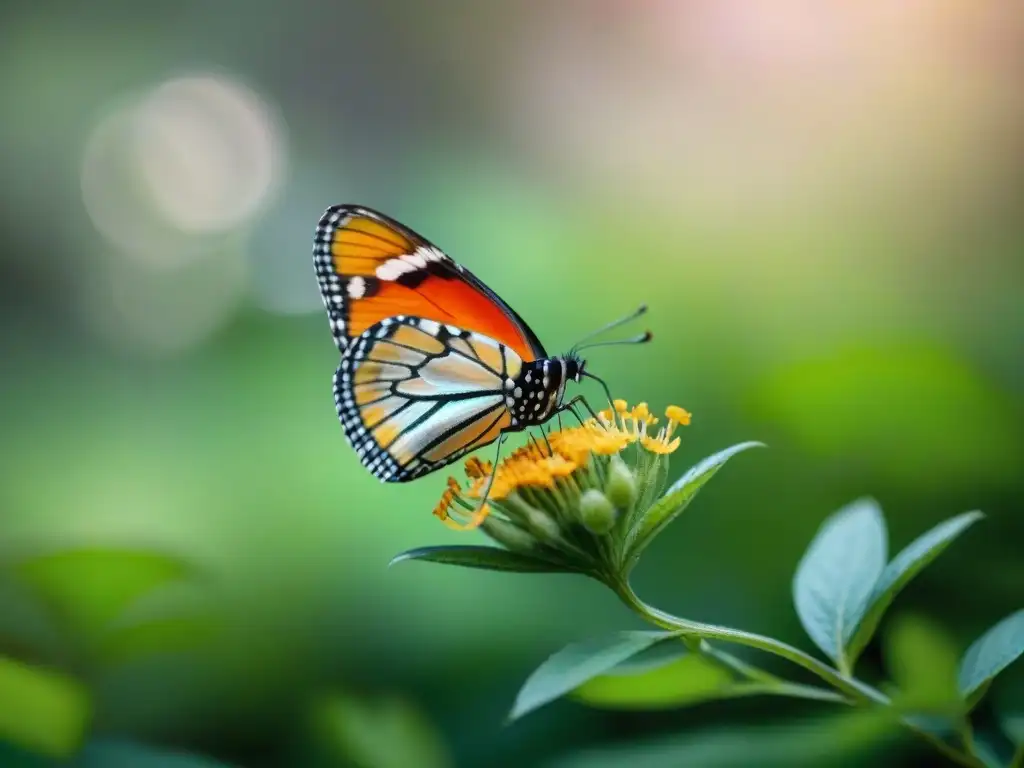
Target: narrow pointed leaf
<point>575,664</point>
<point>989,655</point>
<point>913,559</point>
<point>678,497</point>
<point>838,572</point>
<point>484,558</point>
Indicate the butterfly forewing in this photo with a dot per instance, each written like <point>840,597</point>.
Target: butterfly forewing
<point>414,394</point>
<point>369,268</point>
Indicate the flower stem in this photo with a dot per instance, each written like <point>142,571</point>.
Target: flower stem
<point>855,691</point>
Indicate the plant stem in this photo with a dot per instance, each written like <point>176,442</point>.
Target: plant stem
<point>855,691</point>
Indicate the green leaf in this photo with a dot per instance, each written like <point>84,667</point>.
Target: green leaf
<point>913,559</point>
<point>485,558</point>
<point>838,572</point>
<point>386,732</point>
<point>677,498</point>
<point>990,742</point>
<point>849,739</point>
<point>680,678</point>
<point>578,663</point>
<point>89,587</point>
<point>42,711</point>
<point>922,660</point>
<point>989,655</point>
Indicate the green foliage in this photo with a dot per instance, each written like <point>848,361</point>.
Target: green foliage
<point>485,558</point>
<point>42,711</point>
<point>837,574</point>
<point>830,742</point>
<point>673,676</point>
<point>841,589</point>
<point>675,500</point>
<point>579,663</point>
<point>109,753</point>
<point>989,655</point>
<point>922,660</point>
<point>384,732</point>
<point>914,558</point>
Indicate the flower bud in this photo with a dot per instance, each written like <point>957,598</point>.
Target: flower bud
<point>596,512</point>
<point>621,485</point>
<point>528,516</point>
<point>508,534</point>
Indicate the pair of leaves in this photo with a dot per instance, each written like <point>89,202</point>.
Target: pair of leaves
<point>843,585</point>
<point>651,523</point>
<point>643,670</point>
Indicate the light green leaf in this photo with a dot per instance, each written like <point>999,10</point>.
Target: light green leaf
<point>838,572</point>
<point>913,559</point>
<point>687,678</point>
<point>485,558</point>
<point>91,586</point>
<point>989,655</point>
<point>922,660</point>
<point>578,663</point>
<point>386,732</point>
<point>676,499</point>
<point>42,711</point>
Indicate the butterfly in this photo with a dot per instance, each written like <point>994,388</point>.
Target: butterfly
<point>434,364</point>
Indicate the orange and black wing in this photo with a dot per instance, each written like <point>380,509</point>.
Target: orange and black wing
<point>370,267</point>
<point>414,395</point>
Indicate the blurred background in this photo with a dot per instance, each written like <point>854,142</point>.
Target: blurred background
<point>820,202</point>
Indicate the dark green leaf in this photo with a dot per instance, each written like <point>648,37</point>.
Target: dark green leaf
<point>914,558</point>
<point>990,742</point>
<point>486,558</point>
<point>838,572</point>
<point>125,754</point>
<point>575,664</point>
<point>42,711</point>
<point>989,655</point>
<point>677,498</point>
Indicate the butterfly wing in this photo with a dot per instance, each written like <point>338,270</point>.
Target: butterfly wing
<point>370,267</point>
<point>414,395</point>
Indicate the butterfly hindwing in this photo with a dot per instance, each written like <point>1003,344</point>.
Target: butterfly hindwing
<point>414,395</point>
<point>369,268</point>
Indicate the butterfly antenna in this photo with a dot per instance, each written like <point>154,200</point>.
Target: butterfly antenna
<point>614,324</point>
<point>643,338</point>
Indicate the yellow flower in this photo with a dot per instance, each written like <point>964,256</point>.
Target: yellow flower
<point>552,474</point>
<point>663,442</point>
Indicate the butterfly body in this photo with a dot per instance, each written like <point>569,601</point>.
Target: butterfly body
<point>434,364</point>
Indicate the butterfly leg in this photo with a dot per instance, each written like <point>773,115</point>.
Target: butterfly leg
<point>481,512</point>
